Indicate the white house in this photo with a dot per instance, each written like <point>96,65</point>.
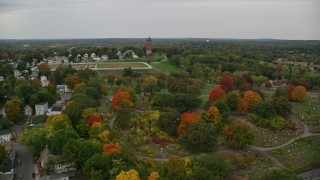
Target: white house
<point>93,55</point>
<point>5,136</point>
<point>55,109</point>
<point>16,73</point>
<point>28,110</point>
<point>41,108</point>
<point>44,81</point>
<point>104,57</point>
<point>1,78</point>
<point>63,88</point>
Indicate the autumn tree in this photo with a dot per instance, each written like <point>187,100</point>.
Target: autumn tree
<point>12,109</point>
<point>227,83</point>
<point>299,93</point>
<point>60,138</point>
<point>71,81</point>
<point>252,97</point>
<point>187,119</point>
<point>243,105</point>
<point>216,94</point>
<point>153,176</point>
<point>94,118</point>
<point>238,135</point>
<point>57,122</point>
<point>213,115</point>
<point>149,84</point>
<point>122,98</point>
<point>111,147</point>
<point>132,174</point>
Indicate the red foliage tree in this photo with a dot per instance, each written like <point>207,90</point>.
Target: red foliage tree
<point>122,97</point>
<point>186,120</point>
<point>227,83</point>
<point>238,135</point>
<point>94,118</point>
<point>217,93</point>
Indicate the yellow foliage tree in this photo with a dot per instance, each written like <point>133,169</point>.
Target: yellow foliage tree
<point>153,176</point>
<point>128,175</point>
<point>213,113</point>
<point>57,122</point>
<point>299,93</point>
<point>104,136</point>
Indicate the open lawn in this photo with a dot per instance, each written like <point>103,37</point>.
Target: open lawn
<point>309,111</point>
<point>300,155</point>
<point>122,65</point>
<point>38,119</point>
<point>166,67</point>
<point>268,138</point>
<point>249,163</point>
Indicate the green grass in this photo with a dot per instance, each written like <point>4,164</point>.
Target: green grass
<point>268,138</point>
<point>38,119</point>
<point>121,65</point>
<point>249,163</point>
<point>300,155</point>
<point>166,67</point>
<point>309,111</point>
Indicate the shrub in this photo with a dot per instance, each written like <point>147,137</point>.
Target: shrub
<point>238,134</point>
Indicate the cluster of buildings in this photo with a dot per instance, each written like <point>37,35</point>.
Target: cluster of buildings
<point>7,167</point>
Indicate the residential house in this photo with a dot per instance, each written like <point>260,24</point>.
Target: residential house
<point>104,57</point>
<point>1,78</point>
<point>120,56</point>
<point>93,55</point>
<point>63,88</point>
<point>5,135</point>
<point>62,176</point>
<point>27,110</point>
<point>44,81</point>
<point>55,109</point>
<point>41,108</point>
<point>16,73</point>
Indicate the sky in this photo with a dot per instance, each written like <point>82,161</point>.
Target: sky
<point>243,19</point>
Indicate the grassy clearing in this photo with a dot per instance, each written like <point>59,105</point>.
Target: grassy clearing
<point>249,163</point>
<point>309,111</point>
<point>38,119</point>
<point>300,155</point>
<point>268,138</point>
<point>166,67</point>
<point>268,92</point>
<point>121,65</point>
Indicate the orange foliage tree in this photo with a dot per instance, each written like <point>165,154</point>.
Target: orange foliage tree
<point>299,93</point>
<point>186,120</point>
<point>227,83</point>
<point>290,89</point>
<point>216,93</point>
<point>252,97</point>
<point>242,106</point>
<point>112,147</point>
<point>213,114</point>
<point>121,98</point>
<point>72,81</point>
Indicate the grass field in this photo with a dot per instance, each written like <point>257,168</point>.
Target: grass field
<point>166,67</point>
<point>268,138</point>
<point>121,65</point>
<point>38,119</point>
<point>249,163</point>
<point>300,155</point>
<point>309,111</point>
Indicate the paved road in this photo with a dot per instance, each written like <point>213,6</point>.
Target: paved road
<point>24,154</point>
<point>311,175</point>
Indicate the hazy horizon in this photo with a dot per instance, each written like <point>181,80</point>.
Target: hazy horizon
<point>166,19</point>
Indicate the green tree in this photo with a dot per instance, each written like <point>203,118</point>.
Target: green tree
<point>98,166</point>
<point>169,121</point>
<point>232,101</point>
<point>60,138</point>
<point>81,150</point>
<point>36,139</point>
<point>163,99</point>
<point>200,137</point>
<point>238,134</point>
<point>281,105</point>
<point>210,167</point>
<point>263,109</point>
<point>3,154</point>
